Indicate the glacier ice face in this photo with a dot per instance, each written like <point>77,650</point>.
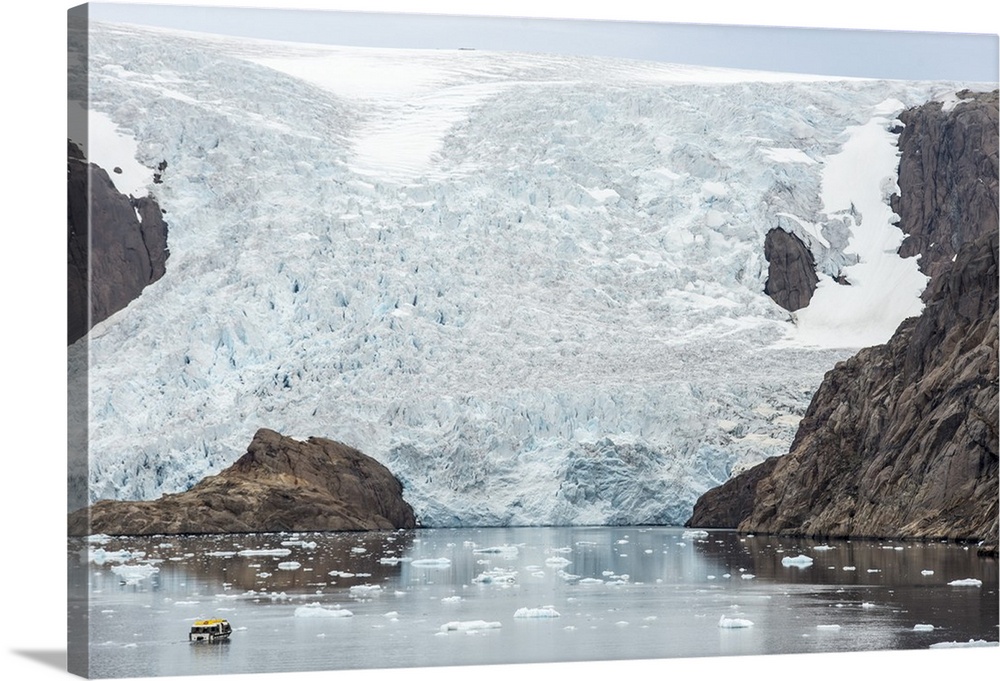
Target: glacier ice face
<point>530,285</point>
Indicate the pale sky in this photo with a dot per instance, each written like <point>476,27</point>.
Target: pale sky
<point>863,53</point>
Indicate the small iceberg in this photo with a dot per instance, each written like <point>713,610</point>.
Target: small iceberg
<point>496,576</point>
<point>926,573</point>
<point>923,627</point>
<point>557,561</point>
<point>694,534</point>
<point>506,551</point>
<point>317,610</point>
<point>265,552</point>
<point>958,582</point>
<point>971,643</point>
<point>433,563</point>
<point>734,623</point>
<point>545,612</point>
<point>365,590</point>
<point>747,575</point>
<point>133,574</point>
<point>799,561</point>
<point>828,627</point>
<point>290,565</point>
<point>471,625</point>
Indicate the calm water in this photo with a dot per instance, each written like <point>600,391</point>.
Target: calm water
<point>660,595</point>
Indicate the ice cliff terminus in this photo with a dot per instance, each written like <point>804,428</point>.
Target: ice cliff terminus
<point>532,286</point>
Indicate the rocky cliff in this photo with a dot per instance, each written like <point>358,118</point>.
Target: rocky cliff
<point>280,484</point>
<point>791,273</point>
<point>126,238</point>
<point>901,440</point>
<point>948,168</point>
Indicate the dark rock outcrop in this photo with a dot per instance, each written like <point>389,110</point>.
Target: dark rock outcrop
<point>280,484</point>
<point>127,242</point>
<point>937,213</point>
<point>729,504</point>
<point>791,272</point>
<point>901,440</point>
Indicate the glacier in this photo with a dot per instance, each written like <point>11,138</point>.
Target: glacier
<point>531,285</point>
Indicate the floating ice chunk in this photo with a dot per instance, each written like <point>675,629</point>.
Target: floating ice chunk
<point>564,549</point>
<point>133,574</point>
<point>317,610</point>
<point>451,599</point>
<point>971,643</point>
<point>957,582</point>
<point>828,627</point>
<point>265,552</point>
<point>505,551</point>
<point>365,590</point>
<point>358,549</point>
<point>98,539</point>
<point>544,612</point>
<point>565,576</point>
<point>591,580</point>
<point>557,561</point>
<point>849,568</point>
<point>221,554</point>
<point>799,561</point>
<point>694,534</point>
<point>338,573</point>
<point>186,602</point>
<point>927,572</point>
<point>867,606</point>
<point>100,556</point>
<point>726,575</point>
<point>299,542</point>
<point>734,623</point>
<point>873,570</point>
<point>823,547</point>
<point>391,615</point>
<point>497,576</point>
<point>747,575</point>
<point>470,625</point>
<point>290,565</point>
<point>923,627</point>
<point>433,563</point>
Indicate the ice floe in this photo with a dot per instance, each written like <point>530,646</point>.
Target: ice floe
<point>971,643</point>
<point>828,627</point>
<point>290,565</point>
<point>133,574</point>
<point>433,563</point>
<point>966,582</point>
<point>496,576</point>
<point>799,561</point>
<point>470,625</point>
<point>265,552</point>
<point>694,534</point>
<point>923,627</point>
<point>317,610</point>
<point>546,611</point>
<point>734,623</point>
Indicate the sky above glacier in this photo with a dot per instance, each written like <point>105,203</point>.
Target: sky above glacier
<point>919,55</point>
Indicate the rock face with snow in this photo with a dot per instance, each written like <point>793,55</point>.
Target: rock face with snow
<point>280,484</point>
<point>947,141</point>
<point>901,439</point>
<point>791,273</point>
<point>126,238</point>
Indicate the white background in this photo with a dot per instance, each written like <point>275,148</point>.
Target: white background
<point>32,454</point>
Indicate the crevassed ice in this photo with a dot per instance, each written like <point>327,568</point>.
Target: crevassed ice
<point>550,311</point>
